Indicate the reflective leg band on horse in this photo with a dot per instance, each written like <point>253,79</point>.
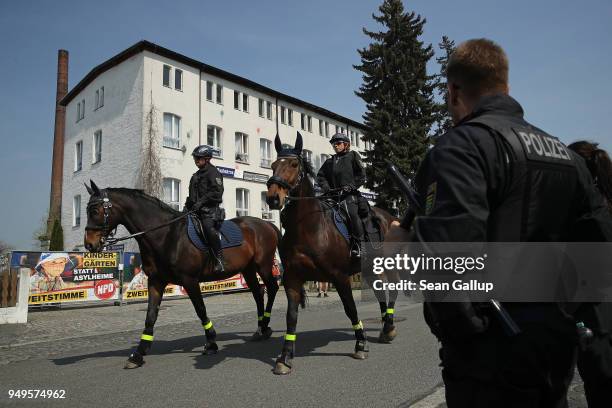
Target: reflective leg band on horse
<point>208,325</point>
<point>146,337</point>
<point>359,334</point>
<point>290,337</point>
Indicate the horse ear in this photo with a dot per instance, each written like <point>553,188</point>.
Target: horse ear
<point>298,143</point>
<point>278,145</point>
<point>95,188</point>
<point>89,190</point>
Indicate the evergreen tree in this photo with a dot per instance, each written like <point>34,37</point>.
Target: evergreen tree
<point>399,98</point>
<point>57,237</point>
<point>443,118</point>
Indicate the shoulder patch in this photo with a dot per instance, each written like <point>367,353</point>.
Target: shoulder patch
<point>430,199</point>
<point>219,180</point>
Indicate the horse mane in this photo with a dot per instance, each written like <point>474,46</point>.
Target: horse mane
<point>141,194</point>
<point>308,169</point>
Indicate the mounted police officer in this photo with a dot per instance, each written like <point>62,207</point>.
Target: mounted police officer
<point>344,171</point>
<point>495,177</point>
<point>205,195</point>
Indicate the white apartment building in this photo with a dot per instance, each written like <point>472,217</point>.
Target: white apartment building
<point>194,103</point>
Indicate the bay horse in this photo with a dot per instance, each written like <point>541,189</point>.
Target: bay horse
<point>168,256</point>
<point>312,248</point>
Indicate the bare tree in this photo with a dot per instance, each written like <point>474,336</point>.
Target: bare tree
<point>150,175</point>
<point>5,247</point>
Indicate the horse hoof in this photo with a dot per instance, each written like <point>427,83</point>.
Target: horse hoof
<point>267,332</point>
<point>360,355</point>
<point>387,338</point>
<point>281,369</point>
<point>210,349</point>
<point>135,360</point>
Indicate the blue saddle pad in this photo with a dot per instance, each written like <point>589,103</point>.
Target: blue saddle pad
<point>341,224</point>
<point>231,234</point>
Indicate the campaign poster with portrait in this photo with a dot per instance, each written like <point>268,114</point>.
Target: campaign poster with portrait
<point>59,277</point>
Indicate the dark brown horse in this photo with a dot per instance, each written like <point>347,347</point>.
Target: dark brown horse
<point>312,248</point>
<point>168,256</point>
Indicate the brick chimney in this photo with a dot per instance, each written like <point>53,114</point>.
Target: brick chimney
<point>57,163</point>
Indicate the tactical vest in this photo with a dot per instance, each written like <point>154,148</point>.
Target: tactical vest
<point>538,192</point>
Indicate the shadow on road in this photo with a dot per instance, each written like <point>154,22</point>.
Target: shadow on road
<point>236,345</point>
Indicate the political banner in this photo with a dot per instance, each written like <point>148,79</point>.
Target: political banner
<point>60,277</point>
<point>135,281</point>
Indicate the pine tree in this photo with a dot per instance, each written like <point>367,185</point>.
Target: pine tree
<point>399,98</point>
<point>443,118</point>
<point>57,237</point>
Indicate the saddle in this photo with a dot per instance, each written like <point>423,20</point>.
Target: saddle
<point>229,233</point>
<point>372,232</point>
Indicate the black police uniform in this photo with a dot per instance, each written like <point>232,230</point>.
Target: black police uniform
<point>495,177</point>
<point>205,195</point>
<point>346,170</point>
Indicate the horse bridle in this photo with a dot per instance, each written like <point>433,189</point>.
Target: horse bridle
<point>278,180</point>
<point>105,228</point>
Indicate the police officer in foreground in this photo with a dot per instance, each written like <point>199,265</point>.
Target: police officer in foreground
<point>205,195</point>
<point>494,177</point>
<point>345,172</point>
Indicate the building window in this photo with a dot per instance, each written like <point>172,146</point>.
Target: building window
<point>352,137</point>
<point>220,94</point>
<point>265,152</point>
<point>283,115</point>
<point>245,102</point>
<point>307,155</point>
<point>209,91</point>
<point>172,130</point>
<point>82,109</point>
<point>303,121</point>
<point>213,138</point>
<point>342,129</point>
<point>178,79</point>
<point>309,123</point>
<point>337,128</point>
<point>78,111</point>
<point>266,214</point>
<point>167,75</point>
<point>97,102</point>
<point>269,110</point>
<point>97,147</point>
<point>261,107</point>
<point>321,130</point>
<point>78,156</point>
<point>242,147</point>
<point>242,202</point>
<point>326,129</point>
<point>290,117</point>
<point>172,192</point>
<point>236,100</point>
<point>76,211</point>
<point>357,137</point>
<point>101,97</point>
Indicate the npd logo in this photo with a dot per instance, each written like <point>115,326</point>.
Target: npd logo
<point>104,289</point>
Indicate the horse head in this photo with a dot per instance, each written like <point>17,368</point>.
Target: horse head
<point>100,219</point>
<point>287,172</point>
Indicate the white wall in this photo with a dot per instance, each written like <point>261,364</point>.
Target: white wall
<point>120,120</point>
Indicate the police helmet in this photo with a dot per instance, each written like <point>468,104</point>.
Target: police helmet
<point>339,137</point>
<point>204,151</point>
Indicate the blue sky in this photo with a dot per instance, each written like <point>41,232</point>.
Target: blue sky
<point>559,51</point>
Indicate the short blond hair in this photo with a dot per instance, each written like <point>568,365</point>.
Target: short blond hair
<point>478,66</point>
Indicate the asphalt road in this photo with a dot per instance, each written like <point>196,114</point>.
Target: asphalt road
<point>82,351</point>
<point>90,369</point>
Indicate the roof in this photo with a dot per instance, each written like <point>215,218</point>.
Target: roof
<point>159,50</point>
